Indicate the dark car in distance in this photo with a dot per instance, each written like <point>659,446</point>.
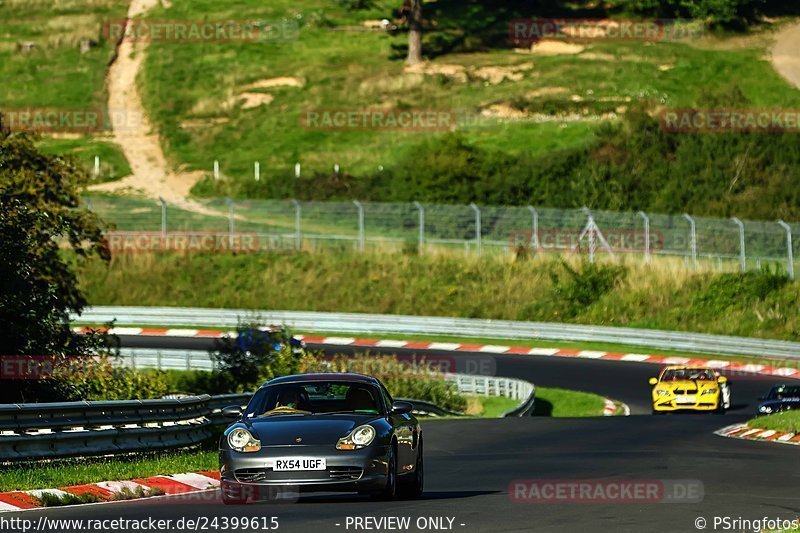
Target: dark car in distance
<point>267,339</point>
<point>780,398</point>
<point>321,432</point>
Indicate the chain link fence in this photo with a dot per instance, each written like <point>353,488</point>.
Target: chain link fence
<point>221,224</point>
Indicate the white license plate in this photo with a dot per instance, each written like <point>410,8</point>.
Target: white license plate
<point>685,399</point>
<point>298,463</point>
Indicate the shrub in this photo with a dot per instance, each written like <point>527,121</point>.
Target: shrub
<point>578,288</point>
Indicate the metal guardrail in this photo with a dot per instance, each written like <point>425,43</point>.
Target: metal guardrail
<point>343,323</point>
<point>52,430</point>
<point>164,359</point>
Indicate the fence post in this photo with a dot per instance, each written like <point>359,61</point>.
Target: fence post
<point>231,223</point>
<point>297,235</point>
<point>789,252</point>
<point>163,217</point>
<point>96,166</point>
<point>591,226</point>
<point>646,219</point>
<point>742,253</point>
<point>421,238</point>
<point>693,230</point>
<point>216,169</point>
<point>477,226</point>
<point>535,219</point>
<point>360,225</point>
<point>257,170</point>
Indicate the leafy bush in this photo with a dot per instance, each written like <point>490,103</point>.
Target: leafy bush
<point>738,289</point>
<point>578,288</point>
<point>99,379</point>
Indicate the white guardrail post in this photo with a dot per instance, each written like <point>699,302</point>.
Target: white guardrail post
<point>360,225</point>
<point>297,235</point>
<point>535,224</point>
<point>789,251</point>
<point>646,219</point>
<point>231,221</point>
<point>163,217</point>
<point>477,227</point>
<point>421,237</point>
<point>692,239</point>
<point>742,255</point>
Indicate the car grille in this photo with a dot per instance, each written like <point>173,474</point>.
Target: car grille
<point>345,473</point>
<point>251,475</point>
<point>333,473</point>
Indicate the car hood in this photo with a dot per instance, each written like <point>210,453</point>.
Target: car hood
<point>282,430</point>
<point>687,386</point>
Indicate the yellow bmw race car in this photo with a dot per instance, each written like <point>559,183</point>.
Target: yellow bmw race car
<point>684,388</point>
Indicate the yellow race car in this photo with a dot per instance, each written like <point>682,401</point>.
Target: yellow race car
<point>685,388</point>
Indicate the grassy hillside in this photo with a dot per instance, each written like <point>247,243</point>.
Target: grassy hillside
<point>527,122</point>
<point>55,75</point>
<point>757,304</point>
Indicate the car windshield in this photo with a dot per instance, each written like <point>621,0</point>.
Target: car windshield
<point>315,397</point>
<point>781,393</point>
<point>693,374</point>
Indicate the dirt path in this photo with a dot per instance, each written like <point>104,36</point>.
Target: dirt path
<point>786,54</point>
<point>133,132</point>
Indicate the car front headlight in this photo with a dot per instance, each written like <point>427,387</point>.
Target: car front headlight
<point>242,440</point>
<point>765,409</point>
<point>358,438</point>
<point>661,392</point>
<point>708,391</point>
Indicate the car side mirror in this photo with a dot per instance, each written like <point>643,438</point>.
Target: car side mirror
<point>722,379</point>
<point>401,408</point>
<point>653,381</point>
<point>232,411</point>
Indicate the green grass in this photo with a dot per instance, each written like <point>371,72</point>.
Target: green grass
<point>495,406</point>
<point>567,403</point>
<point>55,74</point>
<point>356,69</point>
<point>113,164</point>
<point>788,421</point>
<point>31,476</point>
<point>445,286</point>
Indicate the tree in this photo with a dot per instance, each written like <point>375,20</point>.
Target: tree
<point>412,11</point>
<point>40,220</point>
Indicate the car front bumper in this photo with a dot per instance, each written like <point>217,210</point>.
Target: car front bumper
<point>701,403</point>
<point>361,470</point>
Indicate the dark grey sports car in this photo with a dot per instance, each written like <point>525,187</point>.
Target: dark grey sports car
<point>323,432</point>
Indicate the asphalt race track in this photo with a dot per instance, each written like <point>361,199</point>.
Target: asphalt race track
<point>470,464</point>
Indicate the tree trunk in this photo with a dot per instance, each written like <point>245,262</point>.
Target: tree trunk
<point>414,33</point>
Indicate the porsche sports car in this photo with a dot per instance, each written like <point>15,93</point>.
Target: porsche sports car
<point>321,432</point>
<point>780,398</point>
<point>684,388</point>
